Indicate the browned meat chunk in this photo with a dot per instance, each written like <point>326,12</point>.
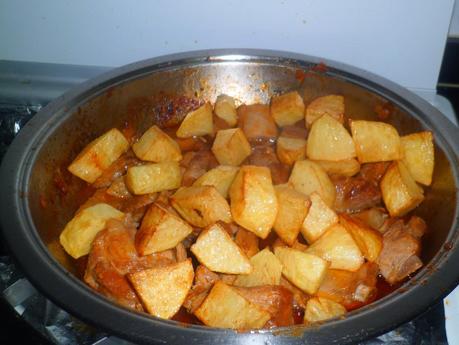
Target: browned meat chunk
<point>401,248</point>
<point>169,111</point>
<point>256,122</point>
<point>359,192</point>
<point>112,256</point>
<point>117,169</point>
<point>195,164</point>
<point>204,279</point>
<point>295,132</point>
<point>265,156</point>
<point>276,300</point>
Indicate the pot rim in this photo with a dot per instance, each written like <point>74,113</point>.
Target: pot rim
<point>60,286</point>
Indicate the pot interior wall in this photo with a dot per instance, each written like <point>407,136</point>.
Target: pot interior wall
<point>54,194</point>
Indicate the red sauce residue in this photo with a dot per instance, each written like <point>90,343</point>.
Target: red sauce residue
<point>384,288</point>
<point>43,202</point>
<point>185,317</point>
<point>129,130</point>
<point>298,315</point>
<point>80,266</point>
<point>384,110</point>
<point>320,67</point>
<point>300,75</point>
<point>60,182</point>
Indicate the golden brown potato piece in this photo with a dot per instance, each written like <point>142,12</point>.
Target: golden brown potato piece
<point>400,192</point>
<point>157,146</point>
<point>78,234</point>
<point>339,248</point>
<point>304,270</point>
<point>287,109</point>
<point>418,156</point>
<point>293,208</point>
<point>231,147</point>
<point>197,123</point>
<point>201,206</point>
<point>220,177</point>
<point>253,200</point>
<point>267,270</point>
<point>320,309</point>
<point>369,240</point>
<point>162,290</point>
<point>332,105</point>
<point>319,218</point>
<point>247,241</point>
<point>160,230</point>
<point>98,155</point>
<point>225,108</point>
<point>329,140</point>
<point>256,122</point>
<point>375,141</point>
<point>215,249</point>
<point>225,308</point>
<point>290,150</point>
<point>346,167</point>
<point>308,177</point>
<point>152,178</point>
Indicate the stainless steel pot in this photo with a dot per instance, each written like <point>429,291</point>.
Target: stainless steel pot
<point>38,196</point>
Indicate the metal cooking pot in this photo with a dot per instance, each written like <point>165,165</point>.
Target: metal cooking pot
<point>39,197</point>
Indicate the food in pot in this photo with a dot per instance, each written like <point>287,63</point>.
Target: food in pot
<point>251,216</point>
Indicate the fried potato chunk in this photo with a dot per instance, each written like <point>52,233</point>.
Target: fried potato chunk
<point>332,105</point>
<point>329,140</point>
<point>225,108</point>
<point>156,146</point>
<point>152,178</point>
<point>369,240</point>
<point>339,248</point>
<point>226,308</point>
<point>418,156</point>
<point>98,155</point>
<point>304,270</point>
<point>399,190</point>
<point>215,249</point>
<point>160,230</point>
<point>346,167</point>
<point>197,123</point>
<point>308,177</point>
<point>163,290</point>
<point>267,270</point>
<point>231,147</point>
<point>319,218</point>
<point>293,208</point>
<point>256,122</point>
<point>287,109</point>
<point>78,234</point>
<point>375,141</point>
<point>290,150</point>
<point>201,206</point>
<point>253,200</point>
<point>220,177</point>
<point>321,309</point>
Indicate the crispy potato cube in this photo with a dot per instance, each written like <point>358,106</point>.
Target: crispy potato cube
<point>346,167</point>
<point>160,230</point>
<point>225,108</point>
<point>201,206</point>
<point>152,178</point>
<point>319,218</point>
<point>332,105</point>
<point>308,177</point>
<point>304,270</point>
<point>290,150</point>
<point>253,200</point>
<point>418,156</point>
<point>197,123</point>
<point>399,190</point>
<point>157,146</point>
<point>329,140</point>
<point>98,155</point>
<point>224,307</point>
<point>320,309</point>
<point>287,109</point>
<point>375,141</point>
<point>215,249</point>
<point>162,290</point>
<point>220,177</point>
<point>293,208</point>
<point>339,248</point>
<point>231,147</point>
<point>369,240</point>
<point>267,270</point>
<point>299,246</point>
<point>78,234</point>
